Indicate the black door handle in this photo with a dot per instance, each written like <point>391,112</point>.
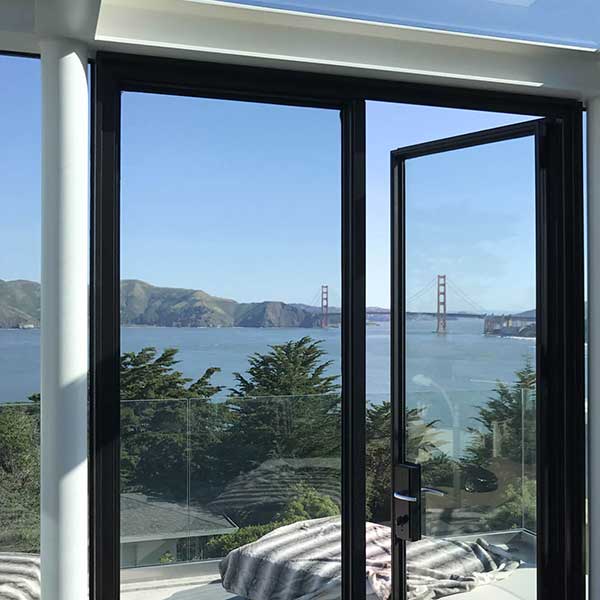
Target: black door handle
<point>406,502</point>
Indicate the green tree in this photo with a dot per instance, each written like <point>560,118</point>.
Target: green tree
<point>284,406</point>
<point>505,442</point>
<point>166,420</point>
<point>507,423</point>
<point>146,376</point>
<point>422,446</point>
<point>20,477</point>
<point>295,368</point>
<point>517,508</point>
<point>307,503</point>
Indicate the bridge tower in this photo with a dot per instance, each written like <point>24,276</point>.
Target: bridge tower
<point>324,306</point>
<point>442,324</point>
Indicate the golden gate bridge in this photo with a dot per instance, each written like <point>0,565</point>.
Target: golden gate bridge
<point>440,286</point>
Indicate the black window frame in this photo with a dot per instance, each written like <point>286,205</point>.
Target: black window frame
<point>561,553</point>
<point>548,209</point>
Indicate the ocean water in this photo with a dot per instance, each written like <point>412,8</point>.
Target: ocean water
<point>460,368</point>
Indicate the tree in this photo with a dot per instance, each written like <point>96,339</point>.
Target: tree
<point>166,420</point>
<point>146,376</point>
<point>284,406</point>
<point>307,503</point>
<point>505,442</point>
<point>507,423</point>
<point>422,446</point>
<point>295,368</point>
<point>20,477</point>
<point>517,508</point>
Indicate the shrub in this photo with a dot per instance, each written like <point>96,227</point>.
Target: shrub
<point>308,503</point>
<point>221,545</point>
<point>166,558</point>
<point>518,507</point>
<point>20,478</point>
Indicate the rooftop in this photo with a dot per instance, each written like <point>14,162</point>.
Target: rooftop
<point>144,518</point>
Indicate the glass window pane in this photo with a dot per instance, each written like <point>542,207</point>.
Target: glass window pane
<point>470,215</point>
<point>470,348</point>
<point>573,23</point>
<point>231,369</point>
<point>20,264</point>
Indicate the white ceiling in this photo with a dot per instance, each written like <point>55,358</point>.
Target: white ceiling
<point>218,31</point>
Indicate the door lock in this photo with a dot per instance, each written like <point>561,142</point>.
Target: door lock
<point>406,504</point>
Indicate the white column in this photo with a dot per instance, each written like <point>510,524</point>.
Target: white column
<point>64,351</point>
<point>593,182</point>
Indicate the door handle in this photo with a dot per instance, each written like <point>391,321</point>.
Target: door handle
<point>406,502</point>
<point>424,490</point>
<point>399,496</point>
<point>407,505</point>
<point>432,491</point>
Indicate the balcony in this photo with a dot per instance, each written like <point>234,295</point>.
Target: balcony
<point>194,487</point>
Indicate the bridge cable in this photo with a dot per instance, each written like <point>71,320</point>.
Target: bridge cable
<point>464,296</point>
<point>420,292</point>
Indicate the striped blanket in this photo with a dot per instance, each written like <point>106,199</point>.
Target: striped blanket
<point>19,576</point>
<point>302,561</point>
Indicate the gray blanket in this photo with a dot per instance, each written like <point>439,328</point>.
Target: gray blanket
<point>440,567</point>
<point>19,576</point>
<point>302,561</point>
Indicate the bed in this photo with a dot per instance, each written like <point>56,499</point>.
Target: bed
<point>302,561</point>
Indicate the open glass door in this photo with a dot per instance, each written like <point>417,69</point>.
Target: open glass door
<point>466,363</point>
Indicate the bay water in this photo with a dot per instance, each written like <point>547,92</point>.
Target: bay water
<point>459,369</point>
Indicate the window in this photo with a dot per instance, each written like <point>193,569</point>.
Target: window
<point>230,379</point>
<point>20,307</point>
<point>469,327</point>
<point>188,423</point>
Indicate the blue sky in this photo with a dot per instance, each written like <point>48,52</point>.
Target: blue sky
<point>20,138</point>
<point>239,199</point>
<point>454,202</point>
<point>243,200</point>
<point>573,22</point>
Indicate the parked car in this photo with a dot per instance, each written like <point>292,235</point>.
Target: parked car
<point>478,479</point>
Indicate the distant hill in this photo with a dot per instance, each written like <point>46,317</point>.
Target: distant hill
<point>146,304</point>
<point>19,303</point>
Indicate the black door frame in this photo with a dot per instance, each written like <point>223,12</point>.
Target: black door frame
<point>550,409</point>
<point>562,553</point>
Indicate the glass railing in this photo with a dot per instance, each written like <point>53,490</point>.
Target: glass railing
<point>480,451</point>
<point>201,477</point>
<point>477,452</point>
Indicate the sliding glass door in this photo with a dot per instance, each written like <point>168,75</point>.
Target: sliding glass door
<point>230,375</point>
<point>233,451</point>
